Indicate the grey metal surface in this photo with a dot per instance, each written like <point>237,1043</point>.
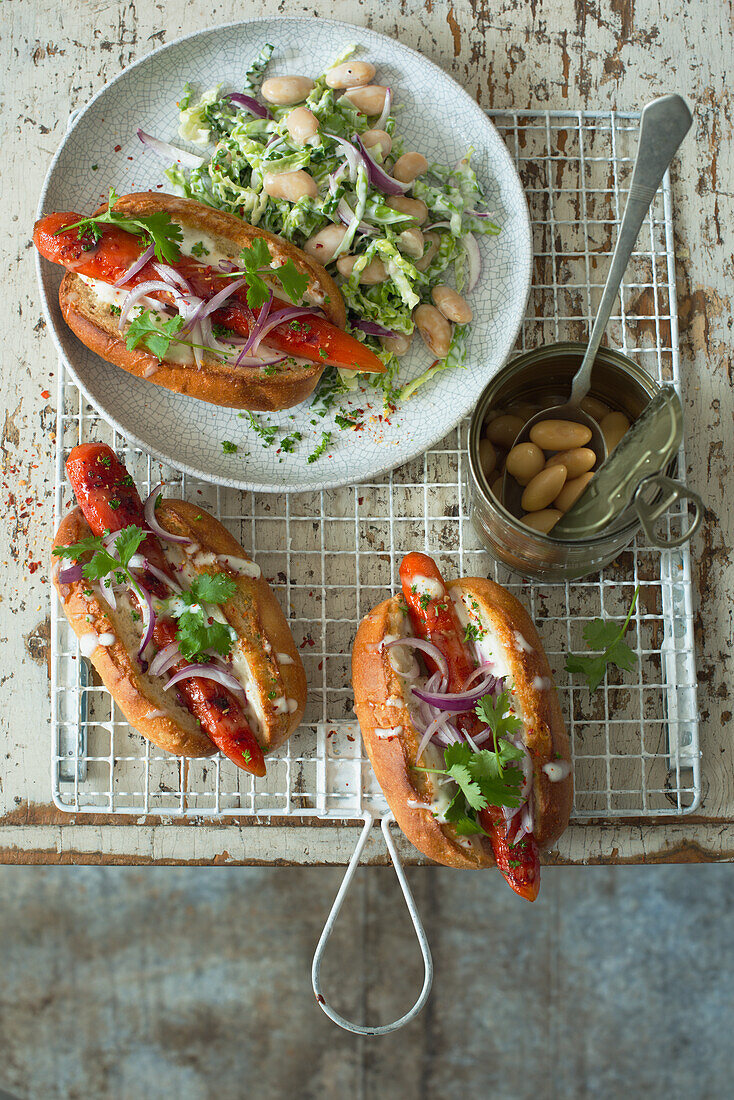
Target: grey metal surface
<point>192,984</point>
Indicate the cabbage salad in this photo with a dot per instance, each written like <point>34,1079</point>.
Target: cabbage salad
<point>391,253</point>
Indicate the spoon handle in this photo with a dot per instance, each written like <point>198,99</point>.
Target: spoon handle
<point>664,124</point>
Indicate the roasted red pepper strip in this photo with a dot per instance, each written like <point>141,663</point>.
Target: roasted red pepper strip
<point>519,863</point>
<point>313,337</point>
<point>109,500</point>
<point>434,618</point>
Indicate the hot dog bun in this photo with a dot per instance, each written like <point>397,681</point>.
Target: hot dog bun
<point>381,704</point>
<point>93,321</point>
<point>264,640</point>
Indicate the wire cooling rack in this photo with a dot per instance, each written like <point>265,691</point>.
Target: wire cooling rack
<point>332,555</point>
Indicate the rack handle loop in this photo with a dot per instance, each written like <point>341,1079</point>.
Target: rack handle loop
<point>382,1029</point>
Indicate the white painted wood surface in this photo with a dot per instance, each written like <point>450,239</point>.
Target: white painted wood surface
<point>556,53</point>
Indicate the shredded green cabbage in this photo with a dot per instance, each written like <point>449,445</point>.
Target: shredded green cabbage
<point>245,148</point>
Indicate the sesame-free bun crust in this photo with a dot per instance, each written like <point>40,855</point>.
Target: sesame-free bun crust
<point>253,611</point>
<point>380,705</point>
<point>218,383</point>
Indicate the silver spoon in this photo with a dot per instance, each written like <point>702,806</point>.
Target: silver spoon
<point>664,124</point>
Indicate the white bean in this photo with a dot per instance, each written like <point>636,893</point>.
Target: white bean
<point>503,429</point>
<point>451,304</point>
<point>434,328</point>
<point>487,457</point>
<point>324,244</point>
<point>372,138</point>
<point>414,208</point>
<point>543,489</point>
<point>544,520</point>
<point>614,425</point>
<point>432,240</point>
<point>409,167</point>
<point>411,243</point>
<point>369,99</point>
<point>351,74</point>
<point>286,90</point>
<point>374,272</point>
<point>290,186</point>
<point>302,124</point>
<point>398,344</point>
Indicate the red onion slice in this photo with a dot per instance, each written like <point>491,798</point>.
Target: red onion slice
<point>256,329</point>
<point>426,647</point>
<point>137,266</point>
<point>372,328</point>
<point>148,613</point>
<point>378,177</point>
<point>71,574</point>
<point>172,277</point>
<point>483,670</point>
<point>140,291</point>
<point>456,702</point>
<point>475,261</point>
<point>431,729</point>
<point>161,576</point>
<point>347,216</point>
<point>249,104</point>
<point>105,587</point>
<point>280,318</point>
<point>209,672</point>
<point>150,519</point>
<point>351,154</point>
<point>164,658</point>
<point>221,297</point>
<point>380,124</point>
<point>169,152</point>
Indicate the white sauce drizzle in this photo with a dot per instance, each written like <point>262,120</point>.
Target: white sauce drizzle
<point>88,643</point>
<point>428,586</point>
<point>386,734</point>
<point>557,770</point>
<point>541,683</point>
<point>285,659</point>
<point>107,638</point>
<point>521,645</point>
<point>285,706</point>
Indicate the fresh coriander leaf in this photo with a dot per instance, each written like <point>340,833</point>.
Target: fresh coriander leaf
<point>293,281</point>
<point>342,421</point>
<point>608,638</point>
<point>258,291</point>
<point>153,333</point>
<point>77,549</point>
<point>158,229</point>
<point>128,542</point>
<point>500,785</point>
<point>101,565</point>
<point>257,255</point>
<point>496,714</point>
<point>213,588</point>
<point>194,636</point>
<point>228,447</point>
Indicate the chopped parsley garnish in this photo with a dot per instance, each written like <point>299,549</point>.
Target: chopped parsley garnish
<point>608,638</point>
<point>157,229</point>
<point>288,442</point>
<point>115,311</point>
<point>472,632</point>
<point>343,421</point>
<point>323,444</point>
<point>265,430</point>
<point>198,249</point>
<point>228,447</point>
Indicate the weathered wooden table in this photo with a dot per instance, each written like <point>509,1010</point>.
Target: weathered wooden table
<point>542,55</point>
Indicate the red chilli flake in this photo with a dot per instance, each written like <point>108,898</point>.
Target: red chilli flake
<point>45,394</point>
<point>118,148</point>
